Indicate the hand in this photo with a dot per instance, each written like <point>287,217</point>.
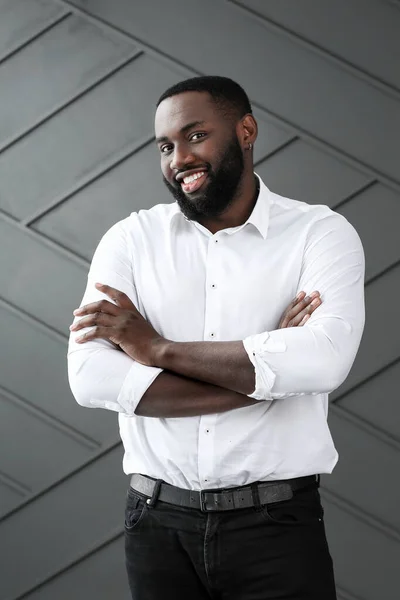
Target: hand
<point>122,324</point>
<point>299,310</point>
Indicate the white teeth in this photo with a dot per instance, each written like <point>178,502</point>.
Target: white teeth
<point>191,178</point>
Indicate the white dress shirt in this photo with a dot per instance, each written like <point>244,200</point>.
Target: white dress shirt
<point>192,285</point>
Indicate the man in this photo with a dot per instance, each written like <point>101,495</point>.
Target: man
<point>213,390</point>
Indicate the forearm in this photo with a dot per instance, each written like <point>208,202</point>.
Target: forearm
<point>172,395</point>
<point>109,379</point>
<point>311,359</point>
<point>223,364</point>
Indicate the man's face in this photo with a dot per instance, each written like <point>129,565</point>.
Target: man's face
<point>201,158</point>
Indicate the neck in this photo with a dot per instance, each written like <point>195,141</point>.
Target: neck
<point>241,208</point>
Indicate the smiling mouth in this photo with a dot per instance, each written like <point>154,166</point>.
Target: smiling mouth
<point>192,183</point>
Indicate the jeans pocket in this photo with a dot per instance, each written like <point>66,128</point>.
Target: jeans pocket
<point>304,508</point>
<point>135,510</point>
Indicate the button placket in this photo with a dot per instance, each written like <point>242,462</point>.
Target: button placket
<point>212,300</point>
<point>206,449</point>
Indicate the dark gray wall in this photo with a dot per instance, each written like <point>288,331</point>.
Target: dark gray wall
<point>78,84</point>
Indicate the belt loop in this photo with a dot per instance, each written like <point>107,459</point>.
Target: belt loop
<point>255,494</point>
<point>318,480</point>
<point>156,492</point>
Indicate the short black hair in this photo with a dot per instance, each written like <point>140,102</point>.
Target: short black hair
<point>229,97</point>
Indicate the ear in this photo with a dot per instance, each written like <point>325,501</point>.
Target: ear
<point>248,131</point>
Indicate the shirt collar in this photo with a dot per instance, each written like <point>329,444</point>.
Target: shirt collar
<point>259,217</point>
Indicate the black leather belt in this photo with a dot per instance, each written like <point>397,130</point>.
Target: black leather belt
<point>222,499</point>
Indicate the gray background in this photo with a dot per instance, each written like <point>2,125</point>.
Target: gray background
<point>78,83</point>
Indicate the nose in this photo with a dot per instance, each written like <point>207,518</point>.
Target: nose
<point>181,157</point>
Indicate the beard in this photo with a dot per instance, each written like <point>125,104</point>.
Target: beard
<point>221,187</point>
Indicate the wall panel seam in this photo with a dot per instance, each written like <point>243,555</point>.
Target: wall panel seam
<point>14,484</point>
<point>354,194</point>
<point>35,321</point>
<point>49,419</point>
<point>363,424</point>
<point>361,514</point>
<point>276,150</point>
<point>97,547</point>
<point>344,594</point>
<point>63,105</point>
<point>96,173</point>
<point>34,37</point>
<point>188,71</point>
<point>395,3</point>
<point>56,482</point>
<point>346,65</point>
<point>46,241</point>
<point>367,379</point>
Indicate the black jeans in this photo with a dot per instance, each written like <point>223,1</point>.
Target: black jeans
<point>273,552</point>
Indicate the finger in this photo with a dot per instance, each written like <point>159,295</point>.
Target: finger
<point>286,315</point>
<point>304,320</point>
<point>117,296</point>
<point>101,306</point>
<point>309,303</point>
<point>298,298</point>
<point>92,320</point>
<point>106,333</point>
<point>308,310</point>
<point>298,308</point>
<point>297,305</point>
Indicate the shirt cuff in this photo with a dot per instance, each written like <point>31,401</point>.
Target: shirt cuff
<point>256,347</point>
<point>139,379</point>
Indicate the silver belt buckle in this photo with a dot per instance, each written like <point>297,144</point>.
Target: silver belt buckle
<point>203,501</point>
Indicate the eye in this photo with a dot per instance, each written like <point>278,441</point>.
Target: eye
<point>166,148</point>
<point>200,134</point>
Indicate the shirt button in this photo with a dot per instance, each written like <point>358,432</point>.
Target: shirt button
<point>216,241</point>
<point>214,285</point>
<point>212,334</point>
<point>207,431</point>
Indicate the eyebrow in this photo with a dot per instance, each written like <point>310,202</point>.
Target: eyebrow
<point>183,130</point>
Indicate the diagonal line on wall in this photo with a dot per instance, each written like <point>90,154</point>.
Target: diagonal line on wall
<point>361,514</point>
<point>45,241</point>
<point>329,149</point>
<point>96,456</point>
<point>114,536</point>
<point>49,419</point>
<point>32,320</point>
<point>395,3</point>
<point>34,37</point>
<point>361,423</point>
<point>60,107</point>
<point>354,194</point>
<point>345,594</point>
<point>15,485</point>
<point>276,150</point>
<point>189,71</point>
<point>117,158</point>
<point>383,272</point>
<point>392,363</point>
<point>346,65</point>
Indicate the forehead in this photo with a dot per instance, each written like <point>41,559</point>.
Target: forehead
<point>176,112</point>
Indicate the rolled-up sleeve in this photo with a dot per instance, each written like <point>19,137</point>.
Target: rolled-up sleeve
<point>317,357</point>
<point>100,374</point>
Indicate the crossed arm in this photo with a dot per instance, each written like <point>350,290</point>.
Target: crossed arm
<point>191,378</point>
